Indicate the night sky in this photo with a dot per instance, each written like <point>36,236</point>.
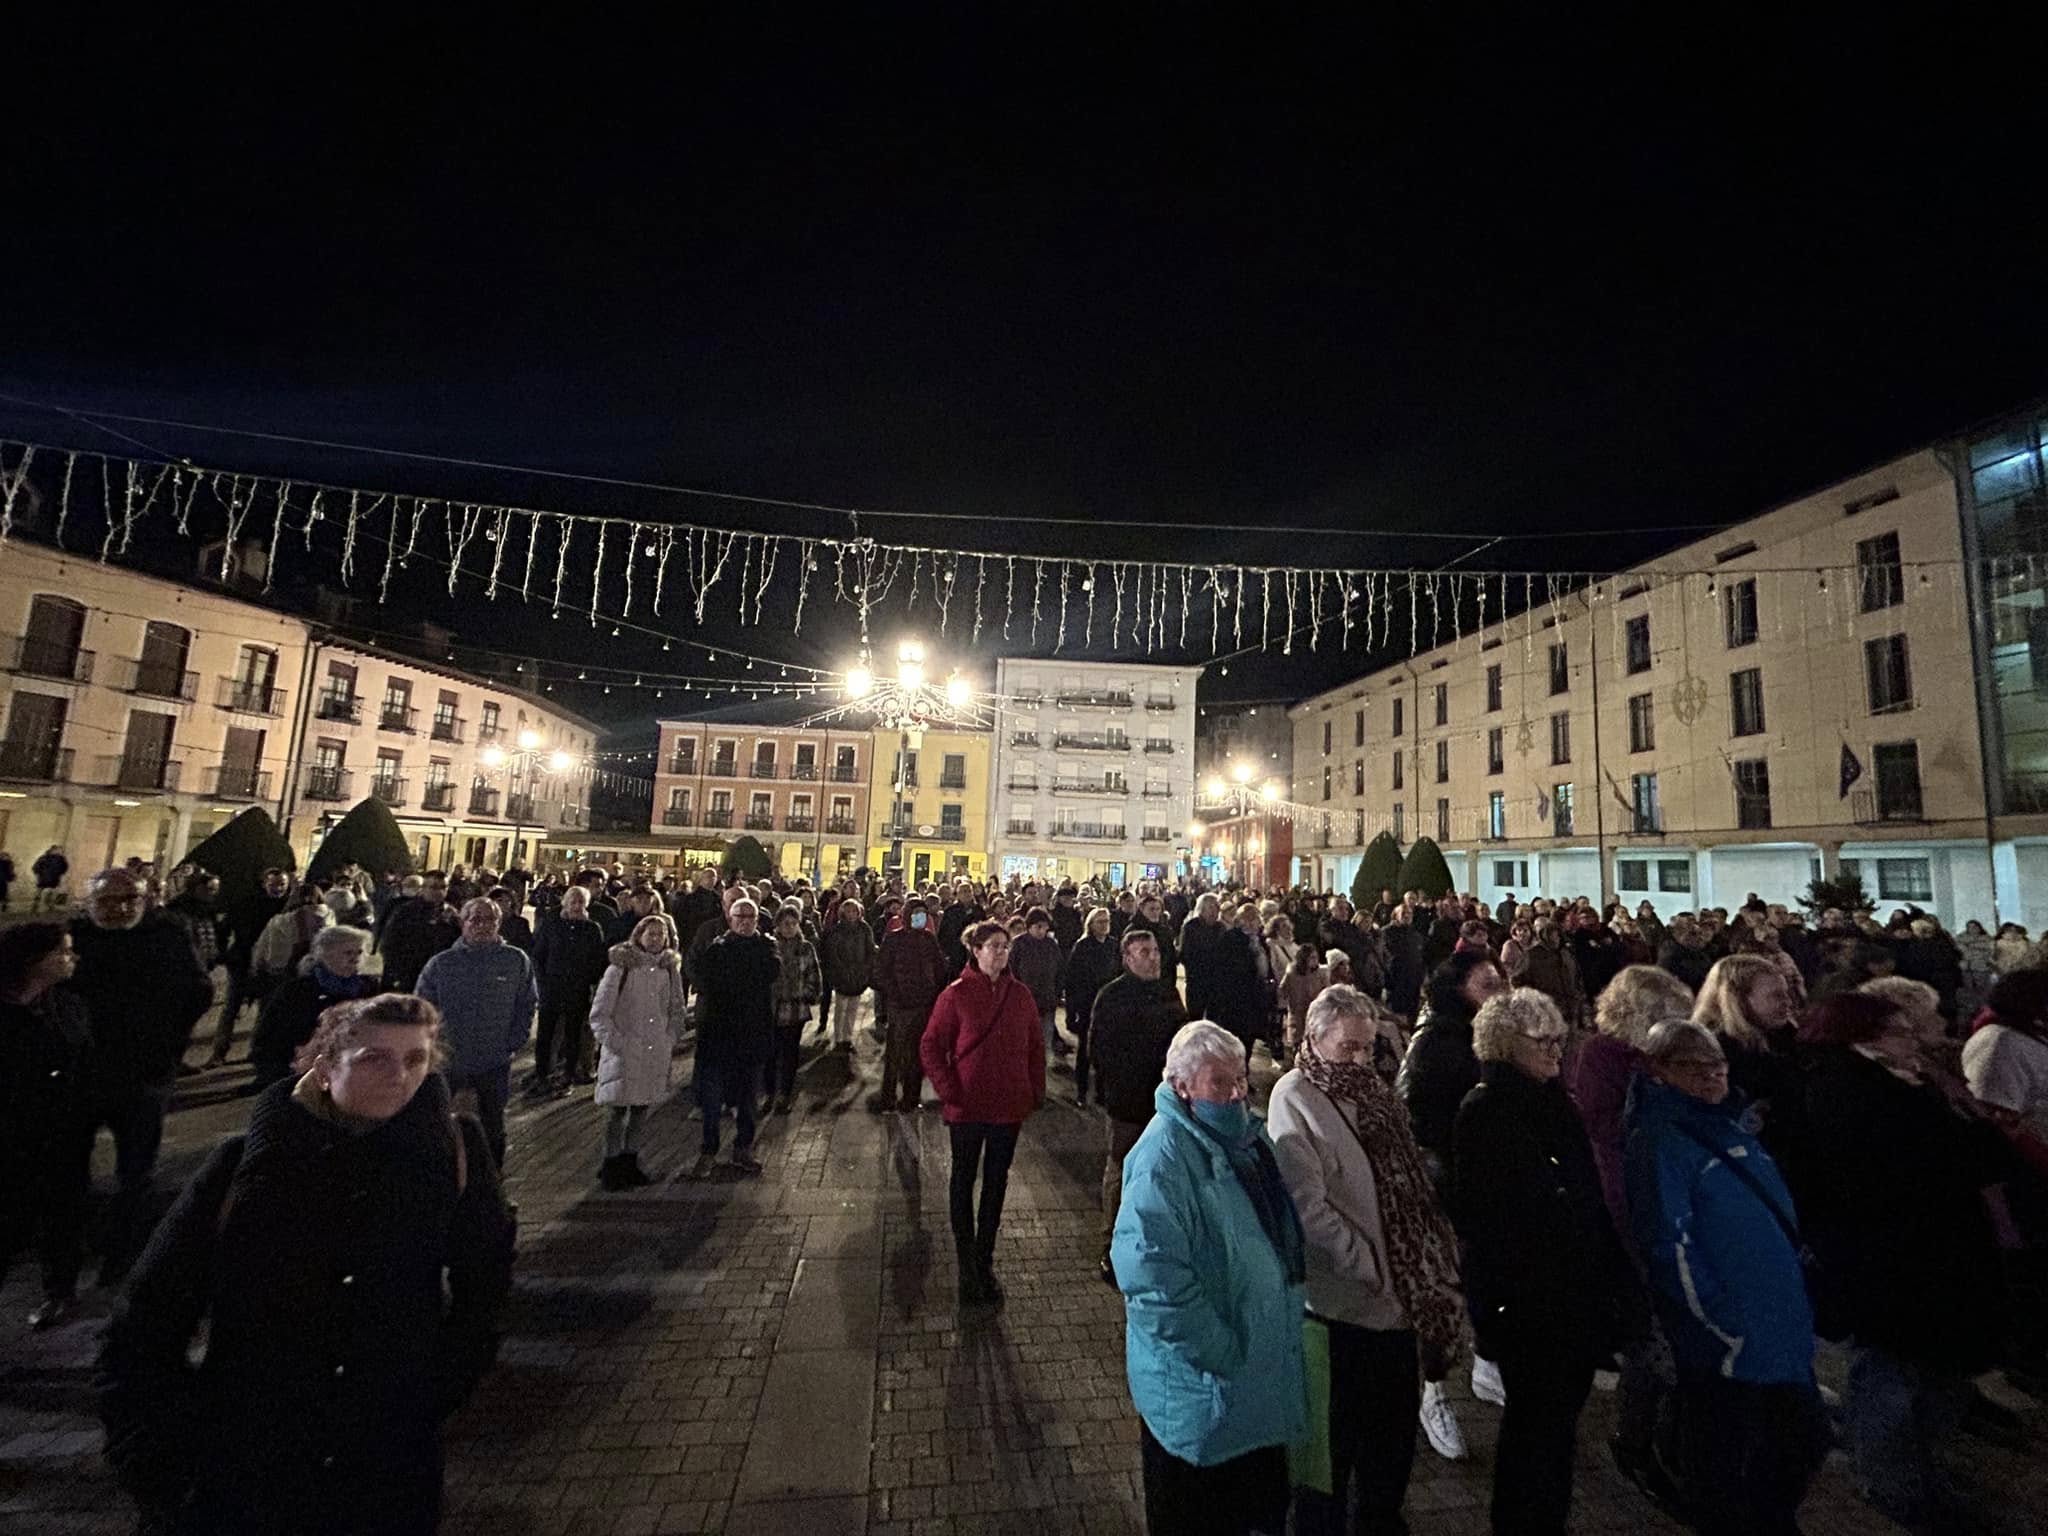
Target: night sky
<point>1382,287</point>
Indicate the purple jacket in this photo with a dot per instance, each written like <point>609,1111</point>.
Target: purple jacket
<point>1598,1076</point>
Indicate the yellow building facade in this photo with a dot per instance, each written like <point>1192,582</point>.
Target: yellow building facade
<point>939,811</point>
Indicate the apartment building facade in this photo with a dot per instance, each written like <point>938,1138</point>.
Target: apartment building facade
<point>931,802</point>
<point>801,791</point>
<point>137,715</point>
<point>473,771</point>
<point>1094,769</point>
<point>1797,701</point>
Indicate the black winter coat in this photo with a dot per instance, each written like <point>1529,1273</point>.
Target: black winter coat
<point>737,980</point>
<point>415,931</point>
<point>1129,1029</point>
<point>1090,966</point>
<point>1406,969</point>
<point>1201,951</point>
<point>1239,998</point>
<point>331,1356</point>
<point>1066,926</point>
<point>290,1015</point>
<point>143,992</point>
<point>569,957</point>
<point>1436,1074</point>
<point>44,1048</point>
<point>699,907</point>
<point>1544,1272</point>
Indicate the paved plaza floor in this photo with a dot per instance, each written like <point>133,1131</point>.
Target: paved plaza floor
<point>783,1352</point>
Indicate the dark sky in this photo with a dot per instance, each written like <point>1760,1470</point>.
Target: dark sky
<point>1538,286</point>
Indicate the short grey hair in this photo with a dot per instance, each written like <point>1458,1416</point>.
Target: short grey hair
<point>476,903</point>
<point>1199,1042</point>
<point>1638,998</point>
<point>339,936</point>
<point>1676,1040</point>
<point>1518,1012</point>
<point>1334,1004</point>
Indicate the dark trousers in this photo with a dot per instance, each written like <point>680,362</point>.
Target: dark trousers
<point>560,1024</point>
<point>1375,1395</point>
<point>902,1069</point>
<point>719,1084</point>
<point>785,1049</point>
<point>492,1089</point>
<point>1238,1497</point>
<point>1532,1468</point>
<point>1745,1453</point>
<point>136,1117</point>
<point>244,986</point>
<point>1077,1024</point>
<point>43,1193</point>
<point>989,1148</point>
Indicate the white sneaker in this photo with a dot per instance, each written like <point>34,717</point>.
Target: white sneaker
<point>1440,1423</point>
<point>1486,1383</point>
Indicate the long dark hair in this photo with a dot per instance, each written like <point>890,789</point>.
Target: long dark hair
<point>1445,991</point>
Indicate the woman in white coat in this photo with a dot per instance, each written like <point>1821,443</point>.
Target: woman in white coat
<point>636,1017</point>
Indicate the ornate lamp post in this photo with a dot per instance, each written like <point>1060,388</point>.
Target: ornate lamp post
<point>526,762</point>
<point>908,703</point>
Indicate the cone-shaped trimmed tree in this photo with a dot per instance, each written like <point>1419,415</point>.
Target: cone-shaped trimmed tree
<point>1379,870</point>
<point>1424,870</point>
<point>239,853</point>
<point>746,859</point>
<point>369,836</point>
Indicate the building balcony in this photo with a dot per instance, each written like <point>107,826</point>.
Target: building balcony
<point>233,782</point>
<point>1158,746</point>
<point>804,773</point>
<point>1158,835</point>
<point>1872,807</point>
<point>1029,695</point>
<point>1647,823</point>
<point>678,816</point>
<point>35,657</point>
<point>155,680</point>
<point>147,774</point>
<point>1023,786</point>
<point>328,785</point>
<point>760,821</point>
<point>447,728</point>
<point>684,767</point>
<point>1112,787</point>
<point>483,802</point>
<point>1160,706</point>
<point>568,815</point>
<point>486,734</point>
<point>1105,743</point>
<point>954,784</point>
<point>761,770</point>
<point>1024,738</point>
<point>845,773</point>
<point>389,790</point>
<point>1158,792</point>
<point>344,707</point>
<point>799,823</point>
<point>248,698</point>
<point>841,826</point>
<point>520,808</point>
<point>1095,699</point>
<point>723,768</point>
<point>720,819</point>
<point>1088,832</point>
<point>397,717</point>
<point>1020,829</point>
<point>438,797</point>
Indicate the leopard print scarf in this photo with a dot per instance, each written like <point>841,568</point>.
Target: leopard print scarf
<point>1421,1249</point>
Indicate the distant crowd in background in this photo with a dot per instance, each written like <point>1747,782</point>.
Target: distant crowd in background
<point>1550,1138</point>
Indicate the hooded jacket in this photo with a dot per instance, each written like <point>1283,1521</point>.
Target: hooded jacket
<point>486,996</point>
<point>983,1051</point>
<point>637,1016</point>
<point>1212,1325</point>
<point>1713,1221</point>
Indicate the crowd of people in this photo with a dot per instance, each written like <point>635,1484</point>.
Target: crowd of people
<point>1537,1141</point>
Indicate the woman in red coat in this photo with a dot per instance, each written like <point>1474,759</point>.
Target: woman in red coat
<point>983,1053</point>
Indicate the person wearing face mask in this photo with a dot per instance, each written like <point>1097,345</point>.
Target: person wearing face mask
<point>331,973</point>
<point>348,1256</point>
<point>1211,1259</point>
<point>1714,1224</point>
<point>45,1147</point>
<point>1382,1260</point>
<point>910,973</point>
<point>637,1017</point>
<point>1552,1294</point>
<point>485,991</point>
<point>1889,1181</point>
<point>985,1056</point>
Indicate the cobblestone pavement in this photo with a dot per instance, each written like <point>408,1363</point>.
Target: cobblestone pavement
<point>783,1353</point>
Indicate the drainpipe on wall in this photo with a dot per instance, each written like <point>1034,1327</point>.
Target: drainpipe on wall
<point>302,714</point>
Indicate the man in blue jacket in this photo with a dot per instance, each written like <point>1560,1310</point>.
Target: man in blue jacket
<point>485,990</point>
<point>1714,1224</point>
<point>1210,1257</point>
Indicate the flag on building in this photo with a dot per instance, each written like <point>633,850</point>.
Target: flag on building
<point>1852,769</point>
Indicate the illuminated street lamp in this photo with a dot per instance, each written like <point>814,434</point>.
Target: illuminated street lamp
<point>527,762</point>
<point>909,703</point>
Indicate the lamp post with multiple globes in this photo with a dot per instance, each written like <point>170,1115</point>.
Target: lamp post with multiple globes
<point>525,760</point>
<point>1227,799</point>
<point>908,703</point>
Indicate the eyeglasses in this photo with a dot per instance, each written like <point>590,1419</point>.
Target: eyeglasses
<point>1548,1042</point>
